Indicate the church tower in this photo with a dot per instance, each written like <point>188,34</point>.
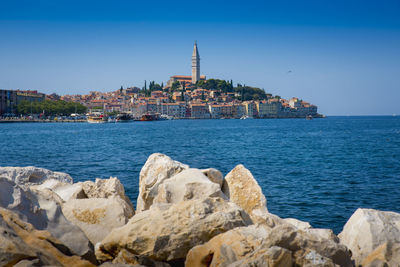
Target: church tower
<point>195,64</point>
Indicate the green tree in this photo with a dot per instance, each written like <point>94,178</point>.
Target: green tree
<point>175,86</point>
<point>50,107</point>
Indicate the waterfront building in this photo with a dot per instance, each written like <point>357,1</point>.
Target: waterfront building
<point>9,99</point>
<point>199,111</point>
<point>250,108</point>
<point>8,102</point>
<point>237,110</point>
<point>215,111</point>
<point>176,110</point>
<point>294,102</point>
<point>30,96</point>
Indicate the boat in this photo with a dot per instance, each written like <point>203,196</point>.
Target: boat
<point>95,118</point>
<point>123,117</point>
<point>164,117</point>
<point>148,117</point>
<point>309,117</point>
<point>245,117</point>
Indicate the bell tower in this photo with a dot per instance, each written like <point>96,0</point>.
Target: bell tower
<point>195,64</point>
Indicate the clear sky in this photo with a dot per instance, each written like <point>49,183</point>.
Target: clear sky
<point>343,56</point>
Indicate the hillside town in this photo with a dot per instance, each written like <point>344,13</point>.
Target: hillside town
<point>182,97</point>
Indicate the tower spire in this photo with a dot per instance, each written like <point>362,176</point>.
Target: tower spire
<point>195,64</point>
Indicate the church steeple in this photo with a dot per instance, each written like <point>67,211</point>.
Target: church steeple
<point>195,64</point>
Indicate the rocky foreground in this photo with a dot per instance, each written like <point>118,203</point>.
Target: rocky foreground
<point>184,216</point>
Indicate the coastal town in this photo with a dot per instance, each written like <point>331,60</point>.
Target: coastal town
<point>181,97</point>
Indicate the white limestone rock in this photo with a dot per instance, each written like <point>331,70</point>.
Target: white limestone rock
<point>64,190</point>
<point>157,168</point>
<point>241,188</point>
<point>167,232</point>
<point>108,188</point>
<point>298,224</point>
<point>368,229</point>
<point>42,209</point>
<point>96,216</point>
<point>186,185</point>
<point>26,176</point>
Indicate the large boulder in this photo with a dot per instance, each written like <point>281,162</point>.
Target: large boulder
<point>101,188</point>
<point>166,232</point>
<point>368,229</point>
<point>259,245</point>
<point>157,168</point>
<point>42,209</point>
<point>96,216</point>
<point>241,188</point>
<point>26,176</point>
<point>21,244</point>
<point>186,185</point>
<point>109,188</point>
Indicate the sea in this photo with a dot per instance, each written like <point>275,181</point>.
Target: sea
<point>319,170</point>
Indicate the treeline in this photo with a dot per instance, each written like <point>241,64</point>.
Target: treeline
<point>49,107</point>
<point>245,92</point>
<point>153,86</point>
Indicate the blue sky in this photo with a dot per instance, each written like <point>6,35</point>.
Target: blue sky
<point>343,56</point>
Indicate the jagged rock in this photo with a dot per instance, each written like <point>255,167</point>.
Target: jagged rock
<point>27,176</point>
<point>214,175</point>
<point>96,216</point>
<point>229,247</point>
<point>12,248</point>
<point>311,258</point>
<point>125,257</point>
<point>64,190</point>
<point>321,234</point>
<point>101,188</point>
<point>257,245</point>
<point>387,254</point>
<point>157,168</point>
<point>186,185</point>
<point>167,232</point>
<point>241,188</point>
<point>368,229</point>
<point>298,224</point>
<point>42,209</point>
<point>24,243</point>
<point>271,257</point>
<point>108,188</point>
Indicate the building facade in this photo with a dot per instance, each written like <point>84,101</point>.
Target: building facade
<point>9,100</point>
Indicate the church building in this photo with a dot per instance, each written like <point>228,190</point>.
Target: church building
<point>189,81</point>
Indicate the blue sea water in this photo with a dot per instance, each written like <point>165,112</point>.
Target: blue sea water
<point>318,171</point>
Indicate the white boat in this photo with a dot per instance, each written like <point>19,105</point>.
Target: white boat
<point>245,117</point>
<point>94,118</point>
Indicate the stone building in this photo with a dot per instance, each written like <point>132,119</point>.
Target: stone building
<point>195,64</point>
<point>187,80</point>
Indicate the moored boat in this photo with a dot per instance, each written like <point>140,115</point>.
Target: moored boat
<point>148,117</point>
<point>123,117</point>
<point>94,118</point>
